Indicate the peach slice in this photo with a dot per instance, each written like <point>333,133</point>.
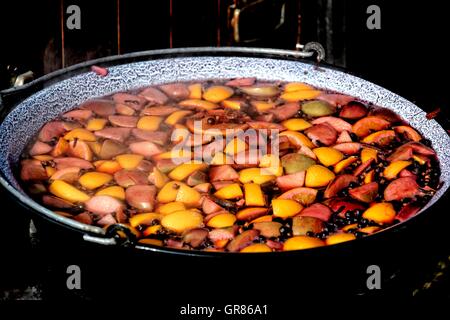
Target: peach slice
<point>232,191</point>
<point>80,134</point>
<point>169,191</point>
<point>251,213</point>
<point>257,247</point>
<point>254,195</point>
<point>263,106</point>
<point>296,124</point>
<point>409,132</point>
<point>339,238</point>
<point>369,176</point>
<point>129,161</point>
<point>394,168</point>
<point>195,91</point>
<point>255,175</point>
<point>341,165</point>
<point>382,213</point>
<point>363,127</point>
<point>328,156</point>
<point>60,148</point>
<point>299,95</point>
<point>302,242</point>
<point>113,191</point>
<point>318,176</point>
<point>234,104</point>
<point>93,180</point>
<point>198,104</point>
<point>107,166</point>
<point>222,220</point>
<point>368,153</point>
<point>171,207</point>
<point>297,139</point>
<point>217,94</point>
<point>382,137</point>
<point>176,117</point>
<point>67,192</point>
<point>80,149</point>
<point>181,221</point>
<point>143,219</point>
<point>96,124</point>
<point>285,208</point>
<point>189,196</point>
<point>150,123</point>
<point>296,86</point>
<point>151,230</point>
<point>182,171</point>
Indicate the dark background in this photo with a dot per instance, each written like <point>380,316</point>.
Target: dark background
<point>407,56</point>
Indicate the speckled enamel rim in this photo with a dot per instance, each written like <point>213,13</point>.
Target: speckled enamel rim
<point>29,115</point>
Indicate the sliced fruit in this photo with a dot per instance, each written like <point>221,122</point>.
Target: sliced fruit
<point>80,149</point>
<point>251,213</point>
<point>93,180</point>
<point>222,220</point>
<point>150,123</point>
<point>262,91</point>
<point>328,156</point>
<point>216,94</point>
<point>394,168</point>
<point>67,192</point>
<point>296,86</point>
<point>302,242</point>
<point>341,165</point>
<point>262,106</point>
<point>96,124</point>
<point>365,193</point>
<point>181,221</point>
<point>369,176</point>
<point>107,166</point>
<point>317,108</point>
<point>169,191</point>
<point>151,230</point>
<point>286,208</point>
<point>256,175</point>
<point>296,124</point>
<point>171,207</point>
<point>232,191</point>
<point>176,117</point>
<point>382,213</point>
<point>254,195</point>
<point>363,127</point>
<point>198,104</point>
<point>318,176</point>
<point>235,146</point>
<point>302,225</point>
<point>339,237</point>
<point>143,219</point>
<point>382,137</point>
<point>409,132</point>
<point>129,161</point>
<point>182,171</point>
<point>368,153</point>
<point>339,183</point>
<point>304,196</point>
<point>195,91</point>
<point>353,110</point>
<point>297,139</point>
<point>290,181</point>
<point>189,196</point>
<point>234,104</point>
<point>221,158</point>
<point>80,134</point>
<point>296,162</point>
<point>113,191</point>
<point>299,95</point>
<point>257,247</point>
<point>60,148</point>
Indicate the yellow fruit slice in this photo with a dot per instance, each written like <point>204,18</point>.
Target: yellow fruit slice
<point>67,192</point>
<point>93,180</point>
<point>150,123</point>
<point>284,208</point>
<point>296,86</point>
<point>96,124</point>
<point>381,213</point>
<point>262,106</point>
<point>296,124</point>
<point>231,191</point>
<point>216,94</point>
<point>113,191</point>
<point>195,91</point>
<point>298,95</point>
<point>222,220</point>
<point>235,146</point>
<point>129,161</point>
<point>189,196</point>
<point>181,221</point>
<point>176,117</point>
<point>182,171</point>
<point>367,154</point>
<point>198,104</point>
<point>254,195</point>
<point>394,168</point>
<point>256,175</point>
<point>328,156</point>
<point>339,237</point>
<point>297,139</point>
<point>257,247</point>
<point>171,207</point>
<point>169,191</point>
<point>341,165</point>
<point>81,134</point>
<point>318,176</point>
<point>302,242</point>
<point>143,219</point>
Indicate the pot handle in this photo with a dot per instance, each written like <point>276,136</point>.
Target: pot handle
<point>10,97</point>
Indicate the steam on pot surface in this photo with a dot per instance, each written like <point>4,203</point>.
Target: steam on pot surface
<point>240,165</point>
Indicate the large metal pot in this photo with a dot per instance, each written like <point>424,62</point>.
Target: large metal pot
<point>26,109</point>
